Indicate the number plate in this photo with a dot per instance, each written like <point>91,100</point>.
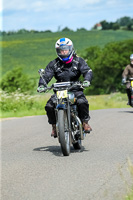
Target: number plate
<point>62,94</point>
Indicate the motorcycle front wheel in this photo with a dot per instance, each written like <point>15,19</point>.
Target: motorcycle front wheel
<point>64,135</point>
<point>132,97</point>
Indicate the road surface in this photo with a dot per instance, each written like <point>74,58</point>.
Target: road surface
<point>33,167</point>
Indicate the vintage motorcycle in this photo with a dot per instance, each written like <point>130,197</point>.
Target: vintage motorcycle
<point>131,89</point>
<point>68,125</point>
<point>130,80</point>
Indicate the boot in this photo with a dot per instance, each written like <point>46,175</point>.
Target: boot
<point>54,133</point>
<point>86,127</point>
<point>128,103</point>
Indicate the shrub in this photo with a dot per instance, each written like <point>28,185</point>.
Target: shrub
<point>107,65</point>
<point>17,80</point>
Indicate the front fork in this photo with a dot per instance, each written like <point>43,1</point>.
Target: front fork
<point>66,107</point>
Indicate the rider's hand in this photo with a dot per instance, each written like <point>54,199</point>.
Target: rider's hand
<point>41,88</point>
<point>124,80</point>
<point>86,83</point>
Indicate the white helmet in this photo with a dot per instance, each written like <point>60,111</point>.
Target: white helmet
<point>131,57</point>
<point>64,44</point>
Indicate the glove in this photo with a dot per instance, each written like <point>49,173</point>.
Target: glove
<point>41,88</point>
<point>86,83</point>
<point>123,80</point>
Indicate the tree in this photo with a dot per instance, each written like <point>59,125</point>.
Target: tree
<point>124,21</point>
<point>107,65</point>
<point>66,29</point>
<point>105,25</point>
<point>130,27</point>
<point>115,26</point>
<point>81,29</point>
<point>22,31</point>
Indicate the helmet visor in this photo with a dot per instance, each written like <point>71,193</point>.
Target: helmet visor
<point>64,51</point>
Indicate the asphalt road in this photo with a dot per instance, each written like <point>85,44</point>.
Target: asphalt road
<point>33,167</point>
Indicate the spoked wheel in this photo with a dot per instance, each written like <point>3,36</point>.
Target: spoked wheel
<point>64,135</point>
<point>132,99</point>
<point>77,144</point>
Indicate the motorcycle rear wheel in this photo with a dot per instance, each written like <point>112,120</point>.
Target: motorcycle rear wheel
<point>64,135</point>
<point>77,145</point>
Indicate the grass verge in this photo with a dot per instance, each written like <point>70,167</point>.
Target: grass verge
<point>19,105</point>
<point>130,194</point>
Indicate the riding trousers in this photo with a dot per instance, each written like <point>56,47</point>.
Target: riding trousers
<point>82,108</point>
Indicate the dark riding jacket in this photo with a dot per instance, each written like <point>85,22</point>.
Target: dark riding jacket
<point>66,72</point>
<point>128,71</point>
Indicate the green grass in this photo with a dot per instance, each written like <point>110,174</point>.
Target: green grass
<point>130,193</point>
<point>114,100</point>
<point>34,51</point>
<point>130,196</point>
<point>19,105</point>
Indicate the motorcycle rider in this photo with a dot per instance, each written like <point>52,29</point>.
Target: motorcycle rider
<point>128,73</point>
<point>67,67</point>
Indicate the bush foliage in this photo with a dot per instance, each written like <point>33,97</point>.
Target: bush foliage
<point>108,64</point>
<point>16,80</point>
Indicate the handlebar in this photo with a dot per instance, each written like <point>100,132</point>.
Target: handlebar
<point>130,79</point>
<point>127,81</point>
<point>65,85</point>
<point>68,85</point>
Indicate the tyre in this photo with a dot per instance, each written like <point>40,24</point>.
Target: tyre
<point>77,145</point>
<point>132,100</point>
<point>64,135</point>
<point>76,126</point>
<point>132,97</point>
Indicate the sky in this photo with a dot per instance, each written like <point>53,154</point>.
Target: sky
<point>55,15</point>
